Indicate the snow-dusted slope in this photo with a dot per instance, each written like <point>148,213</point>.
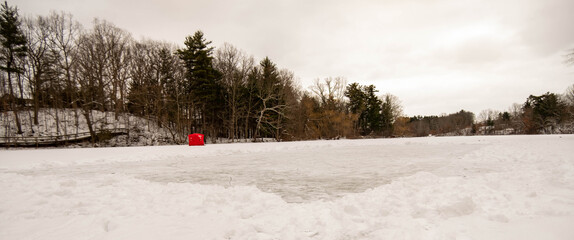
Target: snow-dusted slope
<point>59,122</point>
<point>512,187</point>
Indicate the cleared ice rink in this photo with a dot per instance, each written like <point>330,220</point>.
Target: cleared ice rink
<point>507,187</point>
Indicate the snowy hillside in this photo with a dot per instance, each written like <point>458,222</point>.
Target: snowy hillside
<point>506,187</point>
<point>59,122</point>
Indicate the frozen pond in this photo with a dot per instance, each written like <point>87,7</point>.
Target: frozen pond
<point>510,187</point>
<point>306,174</point>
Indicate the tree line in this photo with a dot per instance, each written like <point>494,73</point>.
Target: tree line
<point>547,113</point>
<point>54,62</point>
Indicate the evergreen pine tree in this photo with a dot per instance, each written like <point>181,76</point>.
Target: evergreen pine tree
<point>14,46</point>
<point>544,112</point>
<point>374,117</point>
<point>364,103</point>
<point>357,105</point>
<point>387,117</point>
<point>203,86</point>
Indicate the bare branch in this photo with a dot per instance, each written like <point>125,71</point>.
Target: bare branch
<point>569,57</point>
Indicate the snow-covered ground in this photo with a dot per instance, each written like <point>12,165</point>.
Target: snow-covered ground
<point>507,187</point>
<point>58,122</point>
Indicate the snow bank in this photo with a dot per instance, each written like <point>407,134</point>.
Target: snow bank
<point>59,122</point>
<point>519,187</point>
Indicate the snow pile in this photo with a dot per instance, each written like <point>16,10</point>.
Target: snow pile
<point>517,187</point>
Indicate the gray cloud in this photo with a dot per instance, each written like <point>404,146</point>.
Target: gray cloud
<point>437,56</point>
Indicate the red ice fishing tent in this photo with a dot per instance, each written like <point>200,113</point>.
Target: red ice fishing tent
<point>195,139</point>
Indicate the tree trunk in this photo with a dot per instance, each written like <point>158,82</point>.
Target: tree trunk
<point>18,125</point>
<point>57,121</point>
<point>89,123</point>
<point>36,107</point>
<point>127,115</point>
<point>13,106</point>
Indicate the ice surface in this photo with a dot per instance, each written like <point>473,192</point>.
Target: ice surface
<point>512,187</point>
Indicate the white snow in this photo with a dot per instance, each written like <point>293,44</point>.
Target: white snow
<point>61,122</point>
<point>506,187</point>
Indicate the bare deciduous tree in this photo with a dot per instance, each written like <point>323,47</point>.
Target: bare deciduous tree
<point>330,119</point>
<point>331,91</point>
<point>40,62</point>
<point>234,66</point>
<point>395,104</point>
<point>102,60</point>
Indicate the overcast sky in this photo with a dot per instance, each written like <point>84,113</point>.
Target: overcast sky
<point>437,56</point>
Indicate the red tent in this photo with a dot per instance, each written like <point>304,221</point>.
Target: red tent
<point>196,139</point>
